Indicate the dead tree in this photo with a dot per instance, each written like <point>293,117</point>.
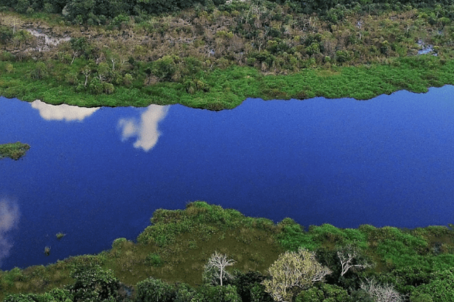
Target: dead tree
<point>347,256</point>
<point>217,264</point>
<point>381,293</point>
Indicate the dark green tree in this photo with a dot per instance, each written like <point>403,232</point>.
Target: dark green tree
<point>93,284</point>
<point>151,290</point>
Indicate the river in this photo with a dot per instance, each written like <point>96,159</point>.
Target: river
<point>97,174</point>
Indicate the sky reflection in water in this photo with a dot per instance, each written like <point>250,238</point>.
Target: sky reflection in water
<point>9,219</point>
<point>146,129</point>
<point>62,112</point>
<point>97,174</point>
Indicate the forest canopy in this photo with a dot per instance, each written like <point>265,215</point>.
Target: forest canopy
<point>99,11</point>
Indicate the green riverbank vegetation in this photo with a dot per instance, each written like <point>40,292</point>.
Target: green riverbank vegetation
<point>13,150</point>
<point>207,253</point>
<point>213,55</point>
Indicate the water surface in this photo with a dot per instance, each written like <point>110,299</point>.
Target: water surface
<point>97,174</point>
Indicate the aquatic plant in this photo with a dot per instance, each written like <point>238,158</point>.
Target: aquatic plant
<point>60,235</point>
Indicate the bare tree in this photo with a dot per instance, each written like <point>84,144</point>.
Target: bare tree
<point>216,266</point>
<point>348,256</point>
<point>381,293</point>
<point>14,25</point>
<point>86,72</point>
<point>75,54</point>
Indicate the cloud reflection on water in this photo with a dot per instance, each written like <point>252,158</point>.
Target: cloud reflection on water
<point>146,130</point>
<point>62,112</point>
<point>9,218</point>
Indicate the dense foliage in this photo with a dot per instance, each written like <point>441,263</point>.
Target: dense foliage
<point>100,11</point>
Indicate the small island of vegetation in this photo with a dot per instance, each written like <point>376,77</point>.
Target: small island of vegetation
<point>13,150</point>
<point>206,253</point>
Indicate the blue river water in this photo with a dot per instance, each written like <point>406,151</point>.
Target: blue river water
<point>99,174</point>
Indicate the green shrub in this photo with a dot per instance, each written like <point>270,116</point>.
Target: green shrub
<point>6,34</point>
<point>108,88</point>
<point>151,290</point>
<point>164,68</point>
<point>71,78</point>
<point>207,293</point>
<point>155,260</point>
<point>440,288</point>
<point>183,293</point>
<point>117,243</point>
<point>323,293</point>
<point>127,80</point>
<point>39,72</point>
<point>95,86</point>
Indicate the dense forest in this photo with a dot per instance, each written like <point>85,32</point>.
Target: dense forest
<point>100,11</point>
<point>207,253</point>
<point>214,55</point>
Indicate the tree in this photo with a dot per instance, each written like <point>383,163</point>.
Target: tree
<point>349,258</point>
<point>250,288</point>
<point>94,284</point>
<point>154,290</point>
<point>9,68</point>
<point>183,292</point>
<point>39,72</point>
<point>103,71</point>
<point>22,6</point>
<point>79,10</point>
<point>292,272</point>
<point>215,268</point>
<point>86,72</point>
<point>439,289</point>
<point>78,45</point>
<point>324,293</point>
<point>164,68</point>
<point>208,293</point>
<point>96,86</point>
<point>127,80</point>
<point>381,293</point>
<point>108,88</point>
<point>71,78</point>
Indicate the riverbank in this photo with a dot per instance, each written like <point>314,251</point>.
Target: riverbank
<point>179,242</point>
<point>216,56</point>
<point>13,150</point>
<point>229,87</point>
